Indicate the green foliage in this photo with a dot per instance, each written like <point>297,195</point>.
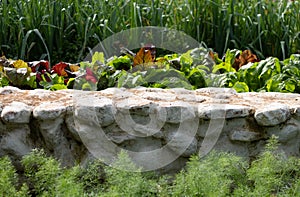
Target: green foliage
<point>271,173</point>
<point>222,80</point>
<point>197,69</point>
<point>271,75</point>
<point>288,79</point>
<point>65,30</point>
<point>197,78</point>
<point>56,83</point>
<point>217,174</point>
<point>129,80</point>
<point>4,81</point>
<point>8,180</point>
<point>159,74</point>
<point>48,178</point>
<point>93,177</point>
<point>249,74</point>
<point>121,63</point>
<point>212,176</point>
<point>256,75</point>
<point>241,87</point>
<point>226,66</point>
<point>98,58</point>
<point>198,57</point>
<point>16,73</point>
<point>125,179</point>
<point>194,69</point>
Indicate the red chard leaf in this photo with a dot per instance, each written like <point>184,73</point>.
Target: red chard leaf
<point>90,76</point>
<point>39,66</point>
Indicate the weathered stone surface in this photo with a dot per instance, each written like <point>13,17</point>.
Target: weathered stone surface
<point>272,114</point>
<point>216,91</point>
<point>94,110</point>
<point>224,144</point>
<point>182,144</point>
<point>8,90</point>
<point>16,112</point>
<point>295,111</point>
<point>160,128</point>
<point>237,111</point>
<point>213,111</point>
<point>244,136</point>
<point>217,95</point>
<point>286,133</point>
<point>54,137</point>
<point>49,110</point>
<point>163,96</point>
<point>177,112</point>
<point>39,93</point>
<point>182,139</point>
<point>188,96</point>
<point>70,123</point>
<point>15,141</point>
<point>2,125</point>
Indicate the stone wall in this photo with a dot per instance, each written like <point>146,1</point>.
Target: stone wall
<point>159,128</point>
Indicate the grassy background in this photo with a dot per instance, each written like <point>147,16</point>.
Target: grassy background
<point>64,30</point>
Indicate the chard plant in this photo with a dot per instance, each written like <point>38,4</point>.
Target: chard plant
<point>196,68</point>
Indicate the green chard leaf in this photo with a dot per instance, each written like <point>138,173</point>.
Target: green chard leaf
<point>241,87</point>
<point>98,56</point>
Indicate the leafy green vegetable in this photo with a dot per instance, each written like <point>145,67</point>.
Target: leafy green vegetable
<point>249,74</point>
<point>56,83</point>
<point>98,57</point>
<point>4,81</point>
<point>226,66</point>
<point>196,68</point>
<point>131,80</point>
<point>268,68</point>
<point>197,78</point>
<point>241,87</point>
<point>288,79</point>
<point>121,63</point>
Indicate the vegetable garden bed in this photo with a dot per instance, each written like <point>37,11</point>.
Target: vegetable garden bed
<point>196,68</point>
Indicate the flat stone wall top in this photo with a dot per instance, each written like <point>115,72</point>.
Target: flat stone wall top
<point>253,100</point>
<point>268,109</point>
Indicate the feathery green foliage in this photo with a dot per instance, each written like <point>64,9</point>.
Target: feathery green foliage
<point>217,174</point>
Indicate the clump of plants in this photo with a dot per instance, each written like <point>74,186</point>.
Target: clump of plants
<point>217,174</point>
<point>196,68</point>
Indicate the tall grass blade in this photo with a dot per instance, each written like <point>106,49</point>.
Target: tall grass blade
<point>24,43</point>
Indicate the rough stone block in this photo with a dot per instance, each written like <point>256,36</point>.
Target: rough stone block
<point>16,112</point>
<point>16,141</point>
<point>272,114</point>
<point>244,136</point>
<point>286,133</point>
<point>49,110</point>
<point>177,112</point>
<point>8,90</point>
<point>95,110</point>
<point>215,111</point>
